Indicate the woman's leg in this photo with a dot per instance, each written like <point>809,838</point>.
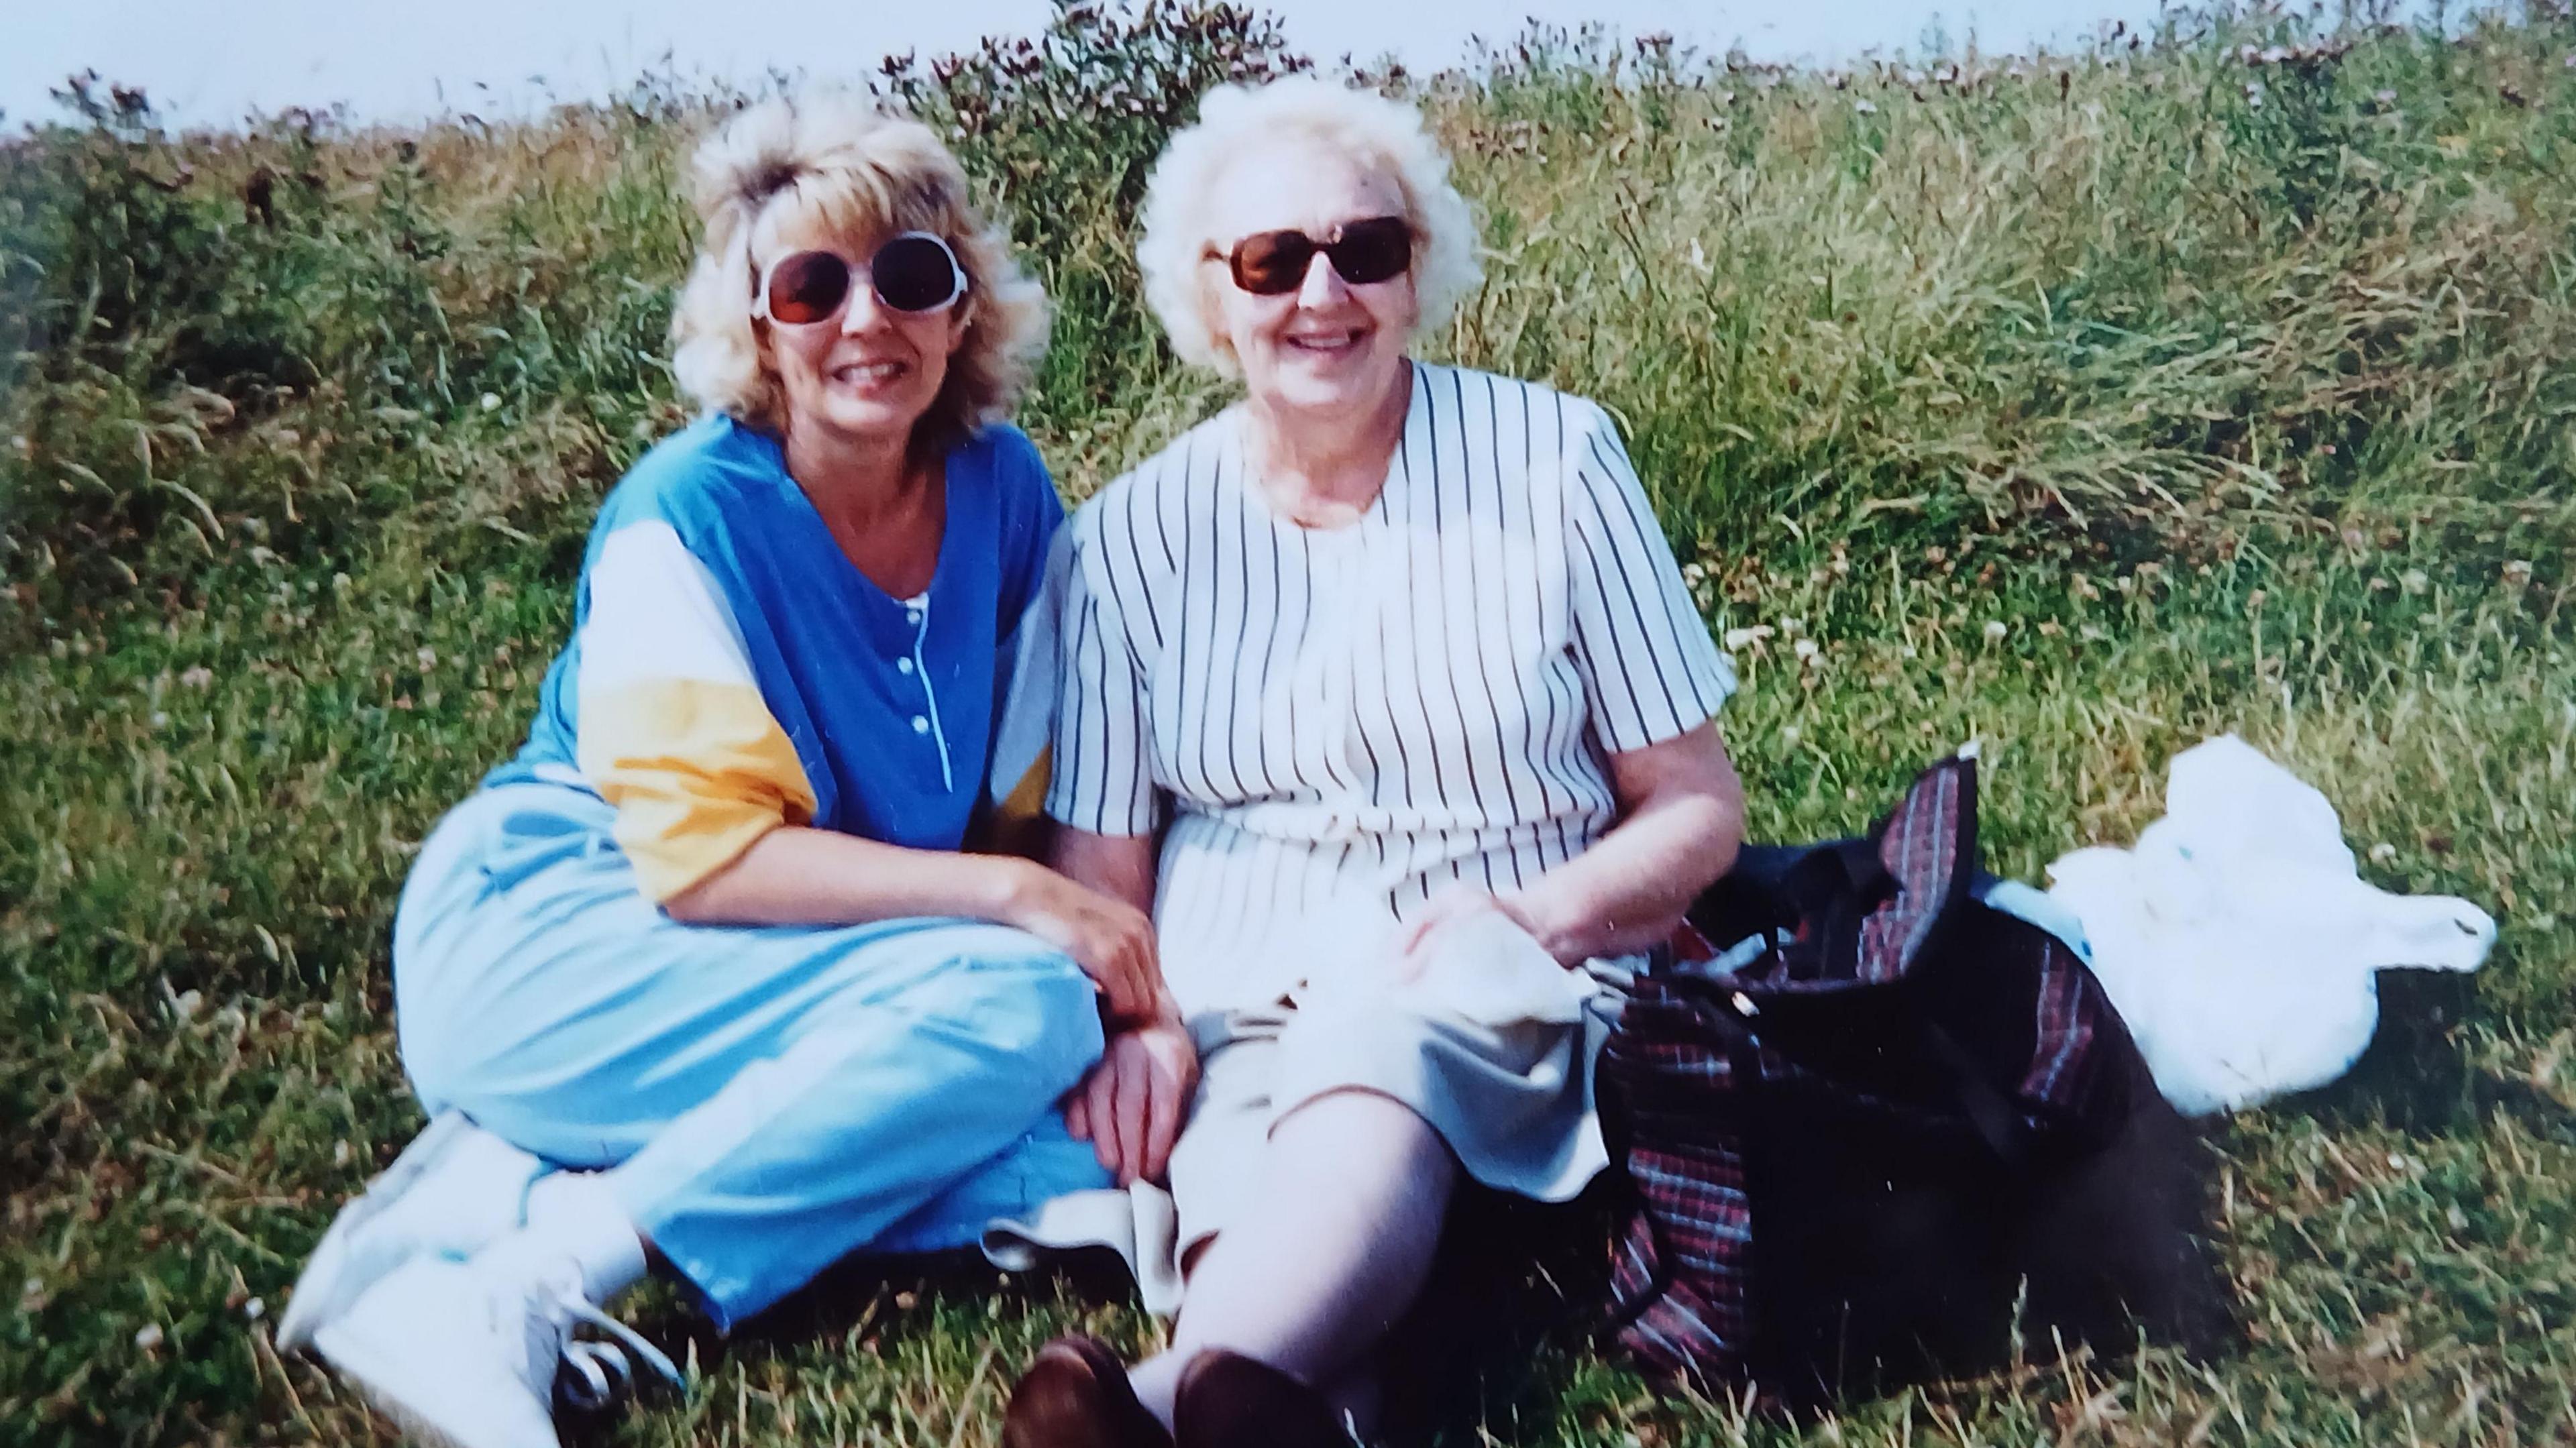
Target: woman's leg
<point>1334,1249</point>
<point>754,1145</point>
<point>765,1100</point>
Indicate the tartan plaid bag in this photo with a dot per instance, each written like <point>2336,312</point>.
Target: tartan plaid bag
<point>1887,1132</point>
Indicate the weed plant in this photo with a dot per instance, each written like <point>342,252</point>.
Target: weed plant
<point>2220,377</point>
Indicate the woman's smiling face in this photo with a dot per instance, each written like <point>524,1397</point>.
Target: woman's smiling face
<point>1327,346</point>
<point>868,372</point>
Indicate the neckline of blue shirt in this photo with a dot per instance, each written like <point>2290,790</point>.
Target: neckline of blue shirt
<point>819,533</point>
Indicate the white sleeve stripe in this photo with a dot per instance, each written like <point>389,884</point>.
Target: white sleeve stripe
<point>655,612</point>
<point>1690,680</point>
<point>1624,725</point>
<point>1681,616</point>
<point>1100,781</point>
<point>1632,591</point>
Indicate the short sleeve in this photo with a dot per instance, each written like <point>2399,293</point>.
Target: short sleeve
<point>1013,817</point>
<point>670,725</point>
<point>1650,671</point>
<point>1103,777</point>
<point>1031,515</point>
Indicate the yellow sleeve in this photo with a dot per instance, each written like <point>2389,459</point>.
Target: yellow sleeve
<point>671,727</point>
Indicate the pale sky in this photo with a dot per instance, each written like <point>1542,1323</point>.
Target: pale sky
<point>209,62</point>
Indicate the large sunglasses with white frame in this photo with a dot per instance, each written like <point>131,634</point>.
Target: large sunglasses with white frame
<point>915,272</point>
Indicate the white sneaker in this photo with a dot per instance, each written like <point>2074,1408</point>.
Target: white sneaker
<point>466,1354</point>
<point>454,1189</point>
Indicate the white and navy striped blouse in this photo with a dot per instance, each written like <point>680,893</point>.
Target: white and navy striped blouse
<point>1348,720</point>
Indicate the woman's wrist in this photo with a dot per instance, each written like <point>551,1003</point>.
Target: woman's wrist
<point>1009,888</point>
<point>1543,912</point>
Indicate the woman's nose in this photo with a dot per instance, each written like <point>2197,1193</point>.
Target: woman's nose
<point>864,311</point>
<point>1323,285</point>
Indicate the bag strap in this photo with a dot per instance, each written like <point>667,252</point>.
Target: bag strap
<point>1997,1124</point>
<point>1618,1136</point>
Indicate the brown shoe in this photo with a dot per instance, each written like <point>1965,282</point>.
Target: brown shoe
<point>1227,1400</point>
<point>1076,1395</point>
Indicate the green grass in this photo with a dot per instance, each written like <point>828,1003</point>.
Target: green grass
<point>2234,417</point>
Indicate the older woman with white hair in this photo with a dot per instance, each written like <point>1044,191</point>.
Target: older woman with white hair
<point>1382,691</point>
<point>713,939</point>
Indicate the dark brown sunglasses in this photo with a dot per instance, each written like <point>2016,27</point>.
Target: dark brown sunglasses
<point>1268,263</point>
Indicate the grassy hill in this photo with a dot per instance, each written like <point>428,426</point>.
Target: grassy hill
<point>2223,378</point>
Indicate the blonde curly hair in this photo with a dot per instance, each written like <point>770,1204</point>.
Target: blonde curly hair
<point>1363,125</point>
<point>861,173</point>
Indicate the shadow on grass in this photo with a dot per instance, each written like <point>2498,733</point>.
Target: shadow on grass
<point>2415,1078</point>
<point>1508,1337</point>
<point>867,1306</point>
<point>1506,1340</point>
<point>1519,1288</point>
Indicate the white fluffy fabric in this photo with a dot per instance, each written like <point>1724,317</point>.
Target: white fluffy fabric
<point>2238,938</point>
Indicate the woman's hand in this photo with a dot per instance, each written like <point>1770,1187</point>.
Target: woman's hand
<point>1110,939</point>
<point>1681,820</point>
<point>1130,1107</point>
<point>1456,904</point>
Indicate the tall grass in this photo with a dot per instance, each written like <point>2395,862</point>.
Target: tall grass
<point>2218,377</point>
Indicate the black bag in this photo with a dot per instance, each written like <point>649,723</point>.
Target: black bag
<point>1887,1129</point>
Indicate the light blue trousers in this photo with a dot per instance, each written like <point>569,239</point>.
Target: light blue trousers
<point>765,1100</point>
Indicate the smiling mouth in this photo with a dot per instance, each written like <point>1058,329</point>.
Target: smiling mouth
<point>1327,343</point>
<point>869,374</point>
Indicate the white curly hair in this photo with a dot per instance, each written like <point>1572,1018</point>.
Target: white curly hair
<point>861,173</point>
<point>1364,125</point>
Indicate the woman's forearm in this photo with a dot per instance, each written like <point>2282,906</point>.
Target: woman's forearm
<point>795,875</point>
<point>1682,822</point>
<point>799,876</point>
<point>1118,866</point>
<point>1626,893</point>
<point>1122,868</point>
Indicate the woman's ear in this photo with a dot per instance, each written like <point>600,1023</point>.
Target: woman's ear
<point>960,318</point>
<point>1211,307</point>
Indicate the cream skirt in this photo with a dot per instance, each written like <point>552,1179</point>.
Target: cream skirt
<point>1492,1044</point>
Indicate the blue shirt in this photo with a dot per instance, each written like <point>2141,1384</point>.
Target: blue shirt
<point>731,669</point>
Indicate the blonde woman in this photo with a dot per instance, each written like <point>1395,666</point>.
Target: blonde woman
<point>1382,691</point>
<point>712,936</point>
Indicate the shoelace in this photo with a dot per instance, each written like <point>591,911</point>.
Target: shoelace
<point>596,1374</point>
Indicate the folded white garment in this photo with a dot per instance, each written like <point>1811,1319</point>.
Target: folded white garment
<point>2238,939</point>
<point>1139,1223</point>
